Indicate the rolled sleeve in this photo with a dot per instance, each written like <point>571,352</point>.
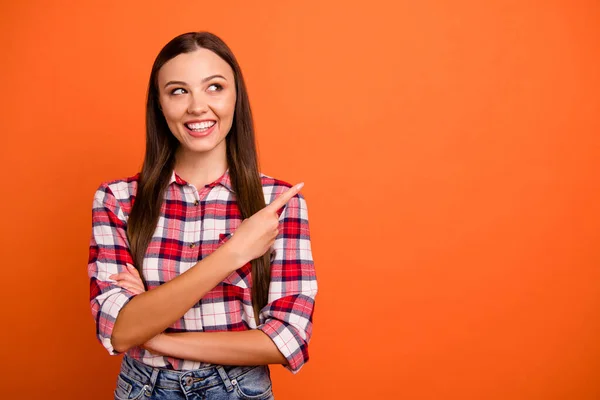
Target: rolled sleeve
<point>109,253</point>
<point>287,318</point>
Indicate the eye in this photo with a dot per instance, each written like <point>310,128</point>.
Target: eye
<point>178,91</point>
<point>215,87</point>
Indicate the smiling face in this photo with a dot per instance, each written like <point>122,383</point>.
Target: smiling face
<point>197,95</point>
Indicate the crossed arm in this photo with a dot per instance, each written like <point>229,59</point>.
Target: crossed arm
<point>121,306</point>
<point>252,347</point>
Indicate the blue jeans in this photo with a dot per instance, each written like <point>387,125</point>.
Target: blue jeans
<point>140,381</point>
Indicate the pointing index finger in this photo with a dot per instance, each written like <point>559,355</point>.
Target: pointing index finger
<point>285,197</point>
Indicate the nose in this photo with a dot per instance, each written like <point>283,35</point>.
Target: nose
<point>197,105</point>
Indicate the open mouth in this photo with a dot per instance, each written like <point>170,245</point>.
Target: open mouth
<point>200,126</point>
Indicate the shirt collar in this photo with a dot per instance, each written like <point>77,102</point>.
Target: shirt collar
<point>224,180</point>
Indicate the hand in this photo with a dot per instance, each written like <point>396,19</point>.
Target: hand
<point>155,344</point>
<point>255,235</point>
<point>129,280</point>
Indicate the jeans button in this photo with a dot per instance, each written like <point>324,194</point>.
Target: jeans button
<point>189,380</point>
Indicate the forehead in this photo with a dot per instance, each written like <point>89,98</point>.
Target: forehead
<point>193,67</point>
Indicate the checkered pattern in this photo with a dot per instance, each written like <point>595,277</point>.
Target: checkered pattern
<point>194,223</point>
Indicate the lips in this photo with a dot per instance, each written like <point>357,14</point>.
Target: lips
<point>200,128</point>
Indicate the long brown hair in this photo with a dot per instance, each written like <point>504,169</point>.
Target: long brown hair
<point>159,160</point>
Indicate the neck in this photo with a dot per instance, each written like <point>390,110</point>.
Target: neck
<point>201,169</point>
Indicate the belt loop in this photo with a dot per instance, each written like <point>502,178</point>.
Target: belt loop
<point>153,378</point>
<point>225,378</point>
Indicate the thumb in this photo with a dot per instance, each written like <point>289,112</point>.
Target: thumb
<point>132,269</point>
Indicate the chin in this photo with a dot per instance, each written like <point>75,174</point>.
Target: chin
<point>203,147</point>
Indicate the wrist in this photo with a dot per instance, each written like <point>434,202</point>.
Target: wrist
<point>231,258</point>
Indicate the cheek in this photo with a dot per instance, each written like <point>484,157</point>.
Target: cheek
<point>173,119</point>
<point>173,111</point>
<point>225,109</point>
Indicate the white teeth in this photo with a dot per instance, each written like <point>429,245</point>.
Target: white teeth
<point>198,126</point>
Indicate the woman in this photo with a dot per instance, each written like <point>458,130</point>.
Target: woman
<point>199,311</point>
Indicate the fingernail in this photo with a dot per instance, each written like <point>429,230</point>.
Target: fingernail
<point>300,185</point>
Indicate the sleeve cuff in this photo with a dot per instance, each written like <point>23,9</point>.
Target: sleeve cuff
<point>289,343</point>
<point>109,311</point>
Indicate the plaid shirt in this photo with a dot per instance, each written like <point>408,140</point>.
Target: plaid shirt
<point>194,223</point>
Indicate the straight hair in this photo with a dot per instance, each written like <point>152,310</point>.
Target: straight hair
<point>159,161</point>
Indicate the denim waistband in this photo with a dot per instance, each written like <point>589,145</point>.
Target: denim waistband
<point>187,380</point>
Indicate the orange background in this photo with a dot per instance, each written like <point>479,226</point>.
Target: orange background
<point>450,152</point>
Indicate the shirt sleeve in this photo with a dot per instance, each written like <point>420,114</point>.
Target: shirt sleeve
<point>288,315</point>
<point>109,253</point>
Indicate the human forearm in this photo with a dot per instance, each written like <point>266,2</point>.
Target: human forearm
<point>252,347</point>
<point>151,312</point>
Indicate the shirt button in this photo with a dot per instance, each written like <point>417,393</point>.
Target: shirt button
<point>192,245</point>
<point>196,203</point>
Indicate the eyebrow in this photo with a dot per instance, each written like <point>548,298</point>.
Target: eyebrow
<point>208,78</point>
